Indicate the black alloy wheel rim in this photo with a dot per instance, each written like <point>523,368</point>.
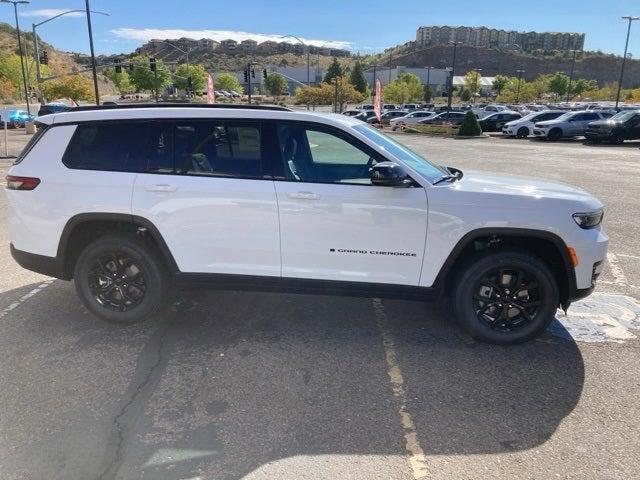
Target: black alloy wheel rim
<point>507,299</point>
<point>116,282</point>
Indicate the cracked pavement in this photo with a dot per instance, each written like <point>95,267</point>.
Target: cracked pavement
<point>236,385</point>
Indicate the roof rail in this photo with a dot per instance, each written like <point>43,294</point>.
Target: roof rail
<point>85,108</point>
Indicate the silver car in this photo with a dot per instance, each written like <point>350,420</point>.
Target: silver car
<point>571,124</point>
<point>410,119</point>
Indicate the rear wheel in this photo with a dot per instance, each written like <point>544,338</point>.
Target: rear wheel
<point>617,139</point>
<point>555,134</point>
<point>523,132</point>
<point>16,124</point>
<point>121,278</point>
<point>506,297</point>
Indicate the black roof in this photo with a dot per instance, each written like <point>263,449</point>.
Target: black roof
<point>84,108</point>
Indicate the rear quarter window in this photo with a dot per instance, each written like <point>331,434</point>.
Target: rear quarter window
<point>41,128</point>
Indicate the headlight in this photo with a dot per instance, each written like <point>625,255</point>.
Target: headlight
<point>588,220</point>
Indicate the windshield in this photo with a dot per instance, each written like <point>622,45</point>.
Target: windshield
<point>624,116</point>
<point>421,165</point>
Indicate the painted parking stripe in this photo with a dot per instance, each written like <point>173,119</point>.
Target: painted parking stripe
<point>417,459</point>
<point>616,270</point>
<point>24,298</point>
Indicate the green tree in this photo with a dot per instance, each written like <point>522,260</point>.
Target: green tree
<point>11,71</point>
<point>198,77</point>
<point>470,126</point>
<point>472,82</point>
<point>228,82</point>
<point>334,70</point>
<point>499,82</point>
<point>143,79</point>
<point>121,80</point>
<point>327,93</point>
<point>465,96</point>
<point>427,94</point>
<point>558,84</point>
<point>74,87</point>
<point>406,88</point>
<point>582,85</point>
<point>276,84</point>
<point>358,79</point>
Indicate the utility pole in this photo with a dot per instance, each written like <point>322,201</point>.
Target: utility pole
<point>249,80</point>
<point>373,89</point>
<point>94,69</point>
<point>624,58</point>
<point>519,72</point>
<point>24,72</point>
<point>573,64</point>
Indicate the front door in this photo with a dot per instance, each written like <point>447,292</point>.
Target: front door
<point>205,191</point>
<point>336,225</point>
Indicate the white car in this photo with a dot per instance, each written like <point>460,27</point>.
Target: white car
<point>523,127</point>
<point>410,119</point>
<point>128,201</point>
<point>571,124</point>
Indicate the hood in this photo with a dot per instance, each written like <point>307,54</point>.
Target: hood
<point>504,190</point>
<point>605,123</point>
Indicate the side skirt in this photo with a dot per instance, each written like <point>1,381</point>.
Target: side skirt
<point>188,281</point>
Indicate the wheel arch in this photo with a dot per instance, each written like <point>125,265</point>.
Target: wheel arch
<point>548,246</point>
<point>83,228</point>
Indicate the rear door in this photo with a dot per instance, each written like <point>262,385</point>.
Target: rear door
<point>336,225</point>
<point>206,191</point>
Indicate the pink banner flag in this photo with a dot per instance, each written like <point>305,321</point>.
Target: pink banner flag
<point>211,95</point>
<point>377,102</point>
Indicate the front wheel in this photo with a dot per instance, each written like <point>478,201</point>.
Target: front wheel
<point>506,297</point>
<point>121,278</point>
<point>523,132</point>
<point>554,135</point>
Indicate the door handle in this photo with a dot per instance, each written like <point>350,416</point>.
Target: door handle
<point>304,195</point>
<point>162,188</point>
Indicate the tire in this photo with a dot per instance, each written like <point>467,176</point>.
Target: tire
<point>523,132</point>
<point>139,272</point>
<point>16,124</point>
<point>491,320</point>
<point>616,139</point>
<point>554,135</point>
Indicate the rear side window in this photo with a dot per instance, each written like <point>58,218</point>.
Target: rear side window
<point>41,128</point>
<point>218,148</point>
<point>121,147</point>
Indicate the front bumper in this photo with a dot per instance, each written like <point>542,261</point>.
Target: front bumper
<point>597,135</point>
<point>539,132</point>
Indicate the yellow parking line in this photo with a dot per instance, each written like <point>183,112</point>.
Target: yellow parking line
<point>417,459</point>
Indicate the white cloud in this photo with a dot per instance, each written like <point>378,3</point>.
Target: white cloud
<point>49,12</point>
<point>146,34</point>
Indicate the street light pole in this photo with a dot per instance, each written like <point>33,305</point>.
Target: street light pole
<point>573,65</point>
<point>24,73</point>
<point>519,72</point>
<point>624,58</point>
<point>453,69</point>
<point>94,69</point>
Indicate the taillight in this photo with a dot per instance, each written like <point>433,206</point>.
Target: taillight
<point>22,183</point>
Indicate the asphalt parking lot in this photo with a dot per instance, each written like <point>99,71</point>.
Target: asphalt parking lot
<point>236,385</point>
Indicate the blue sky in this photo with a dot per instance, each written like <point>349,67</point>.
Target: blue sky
<point>361,25</point>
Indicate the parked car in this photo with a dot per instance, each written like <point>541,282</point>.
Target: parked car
<point>386,117</point>
<point>53,107</point>
<point>410,118</point>
<point>495,121</point>
<point>454,118</point>
<point>334,206</point>
<point>351,113</point>
<point>411,106</point>
<point>571,124</point>
<point>523,127</point>
<point>18,118</point>
<point>365,115</point>
<point>495,108</point>
<point>389,106</point>
<point>366,106</point>
<point>623,126</point>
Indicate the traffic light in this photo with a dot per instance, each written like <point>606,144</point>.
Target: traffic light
<point>264,74</point>
<point>152,64</point>
<point>44,58</point>
<point>118,68</point>
<point>246,76</point>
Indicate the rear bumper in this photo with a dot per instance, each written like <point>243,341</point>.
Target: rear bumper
<point>49,266</point>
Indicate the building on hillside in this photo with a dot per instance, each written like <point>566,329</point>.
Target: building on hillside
<point>496,38</point>
<point>437,78</point>
<point>486,84</point>
<point>268,47</point>
<point>228,45</point>
<point>248,46</point>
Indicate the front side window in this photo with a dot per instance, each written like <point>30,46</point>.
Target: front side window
<point>315,155</point>
<point>218,148</point>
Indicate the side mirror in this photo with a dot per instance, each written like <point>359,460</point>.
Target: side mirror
<point>389,174</point>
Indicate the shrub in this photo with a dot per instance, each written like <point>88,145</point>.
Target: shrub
<point>470,126</point>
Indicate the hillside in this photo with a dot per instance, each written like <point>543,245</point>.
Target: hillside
<point>599,67</point>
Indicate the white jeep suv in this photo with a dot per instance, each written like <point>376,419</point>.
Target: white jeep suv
<point>134,202</point>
